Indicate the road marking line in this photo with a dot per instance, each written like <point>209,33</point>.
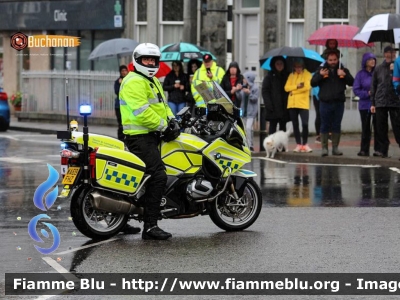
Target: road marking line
<point>87,246</point>
<point>336,165</point>
<point>8,137</point>
<point>20,160</point>
<point>395,169</point>
<point>60,269</point>
<point>273,160</point>
<point>56,266</point>
<point>315,164</point>
<point>45,297</point>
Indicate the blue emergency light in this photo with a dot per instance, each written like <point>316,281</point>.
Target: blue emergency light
<point>85,110</point>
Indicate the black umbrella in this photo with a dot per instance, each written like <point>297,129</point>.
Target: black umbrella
<point>312,60</point>
<point>380,28</point>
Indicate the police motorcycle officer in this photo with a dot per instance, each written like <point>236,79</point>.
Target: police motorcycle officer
<point>146,118</point>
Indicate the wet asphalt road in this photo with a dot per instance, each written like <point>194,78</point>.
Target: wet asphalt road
<point>315,219</point>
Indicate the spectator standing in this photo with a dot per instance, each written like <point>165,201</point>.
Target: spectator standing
<point>385,102</point>
<point>192,67</point>
<point>362,89</point>
<point>274,95</point>
<point>317,122</point>
<point>123,71</point>
<point>330,45</point>
<point>232,82</point>
<point>249,95</point>
<point>176,84</point>
<point>332,83</point>
<point>298,86</point>
<point>208,72</point>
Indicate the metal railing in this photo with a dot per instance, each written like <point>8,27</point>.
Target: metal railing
<point>46,91</point>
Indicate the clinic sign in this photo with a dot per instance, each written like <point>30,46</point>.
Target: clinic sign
<point>68,15</point>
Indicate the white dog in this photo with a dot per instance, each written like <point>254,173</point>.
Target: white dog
<point>277,142</point>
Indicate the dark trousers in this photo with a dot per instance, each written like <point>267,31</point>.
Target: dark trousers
<point>274,123</point>
<point>120,131</point>
<point>331,116</point>
<point>294,117</point>
<point>366,119</point>
<point>146,148</point>
<point>383,128</point>
<point>317,122</point>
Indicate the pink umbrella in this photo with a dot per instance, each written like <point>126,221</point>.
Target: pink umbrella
<point>342,33</point>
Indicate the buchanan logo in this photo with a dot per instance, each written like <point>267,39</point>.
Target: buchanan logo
<point>19,41</point>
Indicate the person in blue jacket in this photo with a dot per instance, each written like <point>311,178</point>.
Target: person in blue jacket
<point>362,89</point>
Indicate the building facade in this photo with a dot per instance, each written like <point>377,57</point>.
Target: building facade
<point>258,25</point>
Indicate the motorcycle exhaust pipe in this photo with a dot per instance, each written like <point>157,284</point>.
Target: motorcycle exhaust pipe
<point>101,202</point>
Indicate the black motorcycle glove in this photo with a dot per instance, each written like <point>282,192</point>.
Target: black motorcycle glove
<point>172,132</point>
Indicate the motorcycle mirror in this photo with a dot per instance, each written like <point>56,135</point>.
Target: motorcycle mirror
<point>183,111</point>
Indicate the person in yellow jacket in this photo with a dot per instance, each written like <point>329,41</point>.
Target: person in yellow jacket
<point>299,85</point>
<point>145,115</point>
<point>208,72</point>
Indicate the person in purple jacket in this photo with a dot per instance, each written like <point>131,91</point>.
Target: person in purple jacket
<point>361,88</point>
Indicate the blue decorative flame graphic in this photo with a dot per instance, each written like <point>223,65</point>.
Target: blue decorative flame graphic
<point>32,232</point>
<point>49,201</point>
<point>44,187</point>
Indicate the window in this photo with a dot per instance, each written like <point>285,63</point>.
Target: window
<point>295,13</point>
<point>71,62</point>
<point>107,64</point>
<point>140,20</point>
<point>171,21</point>
<point>85,49</point>
<point>250,3</point>
<point>338,9</point>
<point>334,12</point>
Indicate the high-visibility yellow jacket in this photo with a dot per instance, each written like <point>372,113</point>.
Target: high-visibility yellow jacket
<point>299,97</point>
<point>201,76</point>
<point>143,105</point>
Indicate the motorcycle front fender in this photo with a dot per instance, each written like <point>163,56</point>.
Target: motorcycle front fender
<point>244,173</point>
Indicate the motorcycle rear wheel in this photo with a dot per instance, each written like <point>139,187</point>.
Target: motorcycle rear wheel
<point>231,215</point>
<point>97,225</point>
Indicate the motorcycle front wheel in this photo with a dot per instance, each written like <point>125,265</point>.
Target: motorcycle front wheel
<point>97,225</point>
<point>235,215</point>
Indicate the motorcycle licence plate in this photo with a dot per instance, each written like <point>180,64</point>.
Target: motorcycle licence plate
<point>70,177</point>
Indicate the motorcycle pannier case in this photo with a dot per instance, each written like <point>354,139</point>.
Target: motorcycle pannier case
<point>119,170</point>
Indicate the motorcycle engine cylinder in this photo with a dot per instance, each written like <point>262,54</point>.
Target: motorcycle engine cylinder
<point>199,188</point>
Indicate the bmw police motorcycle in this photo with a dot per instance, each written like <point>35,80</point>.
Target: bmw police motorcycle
<point>105,183</point>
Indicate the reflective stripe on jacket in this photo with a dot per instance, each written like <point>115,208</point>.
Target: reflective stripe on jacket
<point>143,105</point>
<point>201,76</point>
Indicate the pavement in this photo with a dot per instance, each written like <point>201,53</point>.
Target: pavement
<point>349,145</point>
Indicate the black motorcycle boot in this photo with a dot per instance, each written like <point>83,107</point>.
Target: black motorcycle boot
<point>324,144</point>
<point>128,229</point>
<point>335,144</point>
<point>153,232</point>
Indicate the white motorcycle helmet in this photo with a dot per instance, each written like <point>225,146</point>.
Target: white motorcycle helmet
<point>146,50</point>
